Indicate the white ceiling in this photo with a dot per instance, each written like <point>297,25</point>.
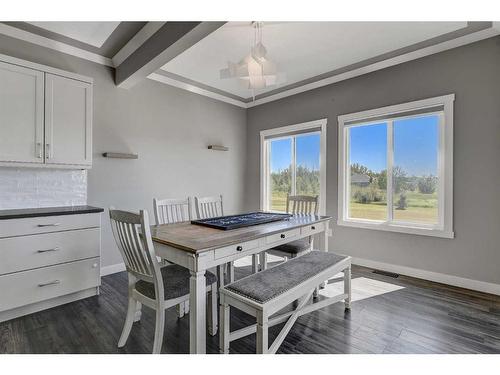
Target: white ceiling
<point>93,33</point>
<point>301,50</point>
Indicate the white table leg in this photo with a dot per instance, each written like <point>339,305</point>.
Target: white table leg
<point>347,287</point>
<point>262,261</point>
<point>197,315</point>
<point>255,263</point>
<point>230,271</point>
<point>138,312</point>
<point>326,234</point>
<point>220,275</point>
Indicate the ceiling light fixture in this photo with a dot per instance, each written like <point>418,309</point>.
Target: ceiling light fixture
<point>255,71</point>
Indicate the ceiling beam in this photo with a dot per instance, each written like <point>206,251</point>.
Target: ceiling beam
<point>169,41</point>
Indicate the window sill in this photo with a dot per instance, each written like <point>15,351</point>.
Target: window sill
<point>432,232</point>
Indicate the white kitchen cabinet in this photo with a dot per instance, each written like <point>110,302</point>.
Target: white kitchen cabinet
<point>48,260</point>
<point>68,121</point>
<point>21,114</point>
<point>45,116</point>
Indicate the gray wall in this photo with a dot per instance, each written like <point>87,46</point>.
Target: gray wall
<point>473,74</point>
<point>169,129</point>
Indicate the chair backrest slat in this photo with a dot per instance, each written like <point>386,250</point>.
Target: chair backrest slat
<point>133,238</point>
<point>207,207</point>
<point>302,204</point>
<point>170,211</point>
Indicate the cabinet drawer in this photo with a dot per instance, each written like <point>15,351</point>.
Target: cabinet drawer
<point>235,249</point>
<point>47,224</point>
<point>284,236</point>
<point>312,229</point>
<point>23,288</point>
<point>40,250</point>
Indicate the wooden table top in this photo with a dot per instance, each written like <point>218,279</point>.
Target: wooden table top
<point>197,239</point>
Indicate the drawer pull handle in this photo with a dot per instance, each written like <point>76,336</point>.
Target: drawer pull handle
<point>48,225</point>
<point>49,283</point>
<point>313,227</point>
<point>282,235</point>
<point>48,250</point>
<point>239,248</point>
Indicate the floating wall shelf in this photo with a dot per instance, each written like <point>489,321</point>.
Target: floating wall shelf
<point>120,155</point>
<point>218,148</point>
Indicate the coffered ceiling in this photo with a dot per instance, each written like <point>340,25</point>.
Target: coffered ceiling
<point>190,55</point>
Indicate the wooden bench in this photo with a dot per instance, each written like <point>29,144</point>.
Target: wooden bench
<point>266,293</point>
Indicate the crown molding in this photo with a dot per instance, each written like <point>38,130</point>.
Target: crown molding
<point>195,89</point>
<point>54,45</point>
<point>487,32</point>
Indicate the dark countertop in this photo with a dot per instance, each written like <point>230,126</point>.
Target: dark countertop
<point>48,211</point>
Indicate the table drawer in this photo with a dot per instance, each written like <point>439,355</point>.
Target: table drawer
<point>284,236</point>
<point>47,224</point>
<point>40,250</point>
<point>235,249</point>
<point>312,229</point>
<point>23,288</point>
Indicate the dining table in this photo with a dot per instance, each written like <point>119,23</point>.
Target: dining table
<point>200,248</point>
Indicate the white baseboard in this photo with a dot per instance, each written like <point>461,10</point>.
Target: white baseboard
<point>114,268</point>
<point>480,286</point>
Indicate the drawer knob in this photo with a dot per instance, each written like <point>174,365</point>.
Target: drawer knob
<point>48,225</point>
<point>313,227</point>
<point>282,235</point>
<point>239,248</point>
<point>49,283</point>
<point>49,250</point>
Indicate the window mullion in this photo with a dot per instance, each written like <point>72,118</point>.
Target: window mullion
<point>390,165</point>
<point>293,167</point>
<point>267,174</point>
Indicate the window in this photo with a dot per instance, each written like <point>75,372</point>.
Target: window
<point>395,168</point>
<point>293,162</point>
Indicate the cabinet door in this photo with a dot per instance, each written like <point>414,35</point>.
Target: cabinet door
<point>21,114</point>
<point>68,121</point>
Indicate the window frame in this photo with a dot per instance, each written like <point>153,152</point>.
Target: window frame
<point>282,133</point>
<point>444,228</point>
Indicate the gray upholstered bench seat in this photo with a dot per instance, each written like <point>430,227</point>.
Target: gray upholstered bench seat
<point>265,294</point>
<point>293,248</point>
<point>266,285</point>
<point>175,282</point>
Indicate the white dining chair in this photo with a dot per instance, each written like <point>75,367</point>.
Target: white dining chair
<point>295,205</point>
<point>171,211</point>
<point>206,208</point>
<point>151,284</point>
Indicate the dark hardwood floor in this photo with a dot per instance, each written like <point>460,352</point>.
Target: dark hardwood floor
<point>421,317</point>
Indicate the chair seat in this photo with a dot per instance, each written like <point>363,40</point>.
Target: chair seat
<point>294,247</point>
<point>266,285</point>
<point>175,282</point>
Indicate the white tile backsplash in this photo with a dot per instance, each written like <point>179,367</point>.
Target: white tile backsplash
<point>37,187</point>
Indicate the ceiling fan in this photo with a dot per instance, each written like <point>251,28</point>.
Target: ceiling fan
<point>256,70</point>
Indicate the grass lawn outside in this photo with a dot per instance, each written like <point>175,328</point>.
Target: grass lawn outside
<point>422,208</point>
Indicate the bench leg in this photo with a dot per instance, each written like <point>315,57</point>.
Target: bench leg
<point>225,317</point>
<point>262,334</point>
<point>255,263</point>
<point>347,287</point>
<point>263,261</point>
